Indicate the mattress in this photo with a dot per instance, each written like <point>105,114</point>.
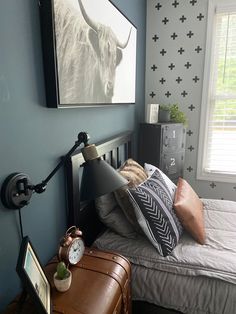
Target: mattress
<point>194,278</point>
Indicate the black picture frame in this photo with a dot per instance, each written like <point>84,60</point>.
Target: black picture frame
<point>33,278</point>
<point>76,71</point>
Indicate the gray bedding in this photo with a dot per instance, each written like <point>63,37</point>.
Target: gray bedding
<point>194,278</point>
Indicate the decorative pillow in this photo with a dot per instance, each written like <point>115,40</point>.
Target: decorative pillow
<point>113,217</point>
<point>171,186</point>
<point>155,215</point>
<point>189,210</point>
<point>135,174</point>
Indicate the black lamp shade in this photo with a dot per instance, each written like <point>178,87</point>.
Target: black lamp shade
<point>99,178</point>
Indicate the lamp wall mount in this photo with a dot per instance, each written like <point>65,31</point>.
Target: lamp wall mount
<point>14,191</point>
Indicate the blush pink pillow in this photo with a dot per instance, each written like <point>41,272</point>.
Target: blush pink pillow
<point>189,210</point>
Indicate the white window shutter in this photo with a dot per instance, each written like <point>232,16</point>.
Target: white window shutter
<point>219,157</point>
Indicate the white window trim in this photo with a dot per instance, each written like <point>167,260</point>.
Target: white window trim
<point>201,174</point>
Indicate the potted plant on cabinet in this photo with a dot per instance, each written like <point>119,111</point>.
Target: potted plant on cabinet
<point>164,113</point>
<point>171,113</point>
<point>62,277</point>
<point>177,115</point>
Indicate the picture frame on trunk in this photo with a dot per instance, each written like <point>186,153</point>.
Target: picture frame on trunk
<point>33,278</point>
<point>89,53</point>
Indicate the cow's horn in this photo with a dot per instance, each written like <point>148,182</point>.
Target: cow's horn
<point>123,45</point>
<point>88,20</point>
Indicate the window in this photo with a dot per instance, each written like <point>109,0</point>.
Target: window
<point>217,149</point>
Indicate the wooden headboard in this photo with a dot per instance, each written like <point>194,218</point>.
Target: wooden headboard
<point>115,151</point>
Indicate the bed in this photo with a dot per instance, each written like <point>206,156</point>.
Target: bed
<point>194,278</point>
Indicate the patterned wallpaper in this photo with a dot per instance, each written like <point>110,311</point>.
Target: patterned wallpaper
<point>175,41</point>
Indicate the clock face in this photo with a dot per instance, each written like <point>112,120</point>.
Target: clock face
<point>76,251</point>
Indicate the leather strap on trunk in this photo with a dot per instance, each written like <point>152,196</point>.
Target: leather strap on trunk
<point>113,258</point>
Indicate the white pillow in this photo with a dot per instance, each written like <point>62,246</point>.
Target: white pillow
<point>171,186</point>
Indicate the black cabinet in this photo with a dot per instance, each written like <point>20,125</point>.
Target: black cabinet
<point>163,145</point>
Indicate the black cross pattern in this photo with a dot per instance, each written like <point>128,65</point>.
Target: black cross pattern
<point>195,79</point>
<point>163,52</point>
<point>181,50</point>
<point>200,16</point>
<point>212,185</point>
<point>193,2</point>
<point>190,169</point>
<point>183,18</point>
<point>191,107</point>
<point>162,80</point>
<point>165,21</point>
<point>171,66</point>
<point>155,37</point>
<point>179,79</point>
<point>198,49</point>
<point>152,94</point>
<point>190,34</point>
<point>184,93</point>
<point>158,6</point>
<point>189,132</point>
<point>154,67</point>
<point>174,35</point>
<point>188,65</point>
<point>175,3</point>
<point>191,148</point>
<point>168,94</point>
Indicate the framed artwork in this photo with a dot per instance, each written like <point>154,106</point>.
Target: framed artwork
<point>33,277</point>
<point>89,52</point>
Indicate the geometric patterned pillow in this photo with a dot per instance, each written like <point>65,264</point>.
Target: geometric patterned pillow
<point>172,187</point>
<point>153,207</point>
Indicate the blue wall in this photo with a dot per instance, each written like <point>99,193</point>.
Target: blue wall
<point>33,137</point>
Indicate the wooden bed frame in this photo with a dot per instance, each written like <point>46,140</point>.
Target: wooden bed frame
<point>115,151</point>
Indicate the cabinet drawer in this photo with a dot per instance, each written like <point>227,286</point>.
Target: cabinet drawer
<point>172,164</point>
<point>173,138</point>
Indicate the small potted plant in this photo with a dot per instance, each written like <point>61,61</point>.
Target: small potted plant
<point>62,277</point>
<point>164,113</point>
<point>171,113</point>
<point>177,115</point>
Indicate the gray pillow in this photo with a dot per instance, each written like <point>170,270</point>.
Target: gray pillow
<point>113,217</point>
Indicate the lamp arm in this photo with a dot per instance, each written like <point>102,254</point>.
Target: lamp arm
<point>17,189</point>
<point>83,137</point>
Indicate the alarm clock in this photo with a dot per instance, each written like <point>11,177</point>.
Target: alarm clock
<point>71,246</point>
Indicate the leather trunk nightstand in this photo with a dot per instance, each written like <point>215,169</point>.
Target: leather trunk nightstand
<point>100,285</point>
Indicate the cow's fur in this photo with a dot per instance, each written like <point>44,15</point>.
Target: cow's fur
<point>86,59</point>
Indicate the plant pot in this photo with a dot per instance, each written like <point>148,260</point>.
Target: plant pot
<point>62,285</point>
<point>164,115</point>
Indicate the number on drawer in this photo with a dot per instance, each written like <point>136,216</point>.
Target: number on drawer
<point>172,161</point>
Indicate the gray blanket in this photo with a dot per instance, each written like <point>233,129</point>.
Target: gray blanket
<point>195,278</point>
